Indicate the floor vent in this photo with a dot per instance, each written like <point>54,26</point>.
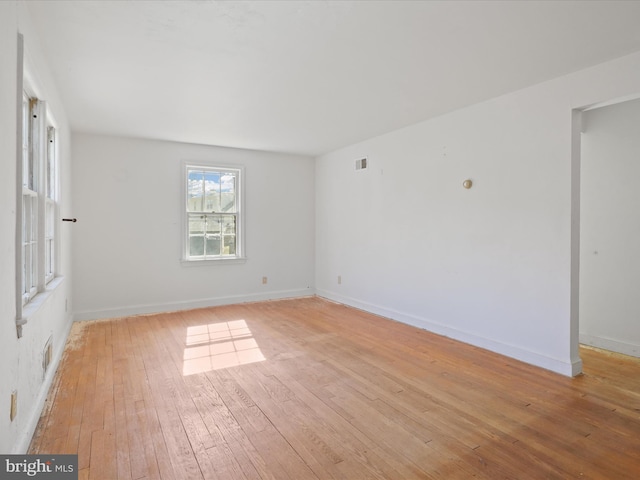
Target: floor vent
<point>47,355</point>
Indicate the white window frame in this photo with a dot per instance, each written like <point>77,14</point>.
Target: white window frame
<point>239,256</point>
<point>32,197</point>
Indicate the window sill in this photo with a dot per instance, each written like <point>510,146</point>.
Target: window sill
<point>216,261</point>
<point>39,300</point>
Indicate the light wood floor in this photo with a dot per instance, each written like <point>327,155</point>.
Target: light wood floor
<point>305,389</point>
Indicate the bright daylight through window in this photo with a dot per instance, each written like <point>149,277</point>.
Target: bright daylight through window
<point>213,209</point>
<point>219,345</point>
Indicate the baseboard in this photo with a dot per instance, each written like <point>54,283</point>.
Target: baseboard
<point>21,446</point>
<point>570,368</point>
<point>609,344</point>
<point>131,310</point>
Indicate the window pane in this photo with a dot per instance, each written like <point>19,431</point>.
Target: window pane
<point>32,242</point>
<point>49,260</point>
<point>29,217</point>
<point>50,208</point>
<point>212,191</point>
<point>33,255</point>
<point>213,235</point>
<point>228,192</point>
<point>213,245</point>
<point>213,225</point>
<point>229,244</point>
<point>32,142</point>
<point>196,224</point>
<point>51,171</point>
<point>26,214</point>
<point>196,246</point>
<point>196,235</point>
<point>228,201</point>
<point>195,184</point>
<point>25,270</point>
<point>229,224</point>
<point>34,218</point>
<point>26,133</point>
<point>48,257</point>
<point>229,232</point>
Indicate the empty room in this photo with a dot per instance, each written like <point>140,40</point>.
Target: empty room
<point>319,239</point>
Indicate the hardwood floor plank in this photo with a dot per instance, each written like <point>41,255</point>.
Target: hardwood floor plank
<point>251,460</point>
<point>259,429</point>
<point>123,459</point>
<point>96,454</point>
<point>288,418</point>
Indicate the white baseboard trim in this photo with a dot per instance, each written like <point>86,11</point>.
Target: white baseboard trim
<point>131,310</point>
<point>609,344</point>
<point>23,441</point>
<point>567,368</point>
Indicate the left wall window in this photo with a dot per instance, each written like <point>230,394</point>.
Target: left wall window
<point>39,195</point>
<point>29,204</point>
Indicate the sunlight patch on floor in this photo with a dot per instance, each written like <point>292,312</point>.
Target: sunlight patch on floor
<point>219,345</point>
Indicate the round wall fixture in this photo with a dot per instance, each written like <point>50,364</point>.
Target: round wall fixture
<point>467,184</point>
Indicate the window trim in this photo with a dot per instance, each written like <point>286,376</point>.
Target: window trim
<point>36,125</point>
<point>240,256</point>
<point>28,186</point>
<point>20,320</point>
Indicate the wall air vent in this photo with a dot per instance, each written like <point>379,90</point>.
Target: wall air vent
<point>47,356</point>
<point>361,163</point>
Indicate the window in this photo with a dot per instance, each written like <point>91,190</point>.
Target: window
<point>213,223</point>
<point>39,194</point>
<point>50,206</point>
<point>29,203</point>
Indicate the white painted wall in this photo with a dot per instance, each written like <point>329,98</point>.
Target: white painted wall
<point>610,228</point>
<point>21,359</point>
<point>127,242</point>
<point>491,265</point>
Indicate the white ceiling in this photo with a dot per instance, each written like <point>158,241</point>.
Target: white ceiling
<point>309,76</point>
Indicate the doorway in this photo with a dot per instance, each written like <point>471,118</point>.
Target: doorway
<point>607,171</point>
